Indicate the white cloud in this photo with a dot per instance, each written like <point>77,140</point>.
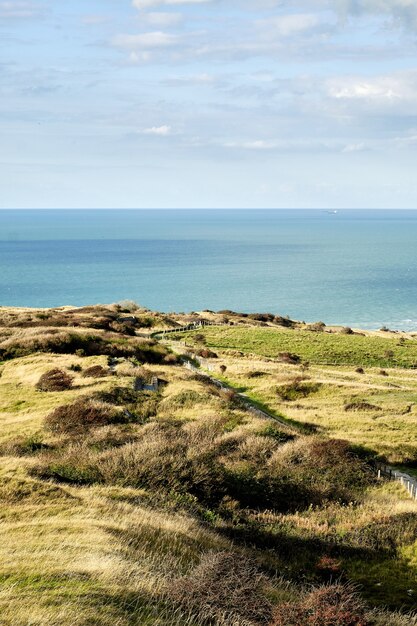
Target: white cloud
<point>380,88</point>
<point>160,131</point>
<point>403,12</point>
<point>16,9</point>
<point>363,90</point>
<point>162,19</point>
<point>146,4</point>
<point>155,39</point>
<point>354,147</point>
<point>288,25</point>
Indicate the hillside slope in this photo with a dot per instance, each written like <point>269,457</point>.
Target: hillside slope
<point>123,503</point>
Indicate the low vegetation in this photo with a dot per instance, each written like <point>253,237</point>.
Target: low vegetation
<point>54,380</point>
<point>319,348</point>
<point>178,506</point>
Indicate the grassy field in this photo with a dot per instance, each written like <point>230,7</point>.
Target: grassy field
<point>180,508</point>
<point>374,407</point>
<point>319,348</point>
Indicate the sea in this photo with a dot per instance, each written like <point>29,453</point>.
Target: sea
<point>352,267</point>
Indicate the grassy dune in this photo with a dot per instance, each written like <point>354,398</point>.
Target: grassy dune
<point>178,507</point>
<point>318,348</point>
<point>374,408</point>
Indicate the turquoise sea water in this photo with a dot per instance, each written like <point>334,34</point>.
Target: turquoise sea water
<point>357,268</point>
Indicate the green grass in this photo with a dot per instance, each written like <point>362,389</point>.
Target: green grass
<point>202,475</point>
<point>316,348</point>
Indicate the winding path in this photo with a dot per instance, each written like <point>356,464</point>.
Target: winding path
<point>382,469</point>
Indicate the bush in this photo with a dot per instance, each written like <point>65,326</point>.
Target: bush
<point>225,587</point>
<point>123,328</point>
<point>83,344</point>
<point>82,415</point>
<point>74,465</point>
<point>361,405</point>
<point>332,605</point>
<point>274,432</point>
<point>288,357</point>
<point>317,327</point>
<point>262,317</point>
<point>139,406</point>
<point>256,374</point>
<point>54,380</point>
<point>96,371</point>
<point>205,353</point>
<point>284,321</point>
<point>297,389</point>
<point>316,470</point>
<point>170,359</point>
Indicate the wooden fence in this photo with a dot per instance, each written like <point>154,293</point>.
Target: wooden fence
<point>407,481</point>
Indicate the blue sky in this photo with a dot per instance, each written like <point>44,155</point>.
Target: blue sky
<point>208,103</point>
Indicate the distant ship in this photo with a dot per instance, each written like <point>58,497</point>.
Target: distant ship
<point>331,212</point>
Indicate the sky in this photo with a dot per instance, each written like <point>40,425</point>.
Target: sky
<point>208,103</point>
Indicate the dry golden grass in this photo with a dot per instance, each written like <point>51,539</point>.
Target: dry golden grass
<point>391,431</point>
<point>22,407</point>
<point>109,554</point>
<point>78,556</point>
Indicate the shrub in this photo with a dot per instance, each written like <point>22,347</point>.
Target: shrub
<point>170,458</point>
<point>383,373</point>
<point>360,370</point>
<point>96,371</point>
<point>54,380</point>
<point>223,369</point>
<point>230,398</point>
<point>331,605</point>
<point>284,321</point>
<point>262,317</point>
<point>128,306</point>
<point>288,357</point>
<point>328,568</point>
<point>23,446</point>
<point>170,359</point>
<point>274,432</point>
<point>139,406</point>
<point>75,367</point>
<point>226,587</point>
<point>256,374</point>
<point>123,328</point>
<point>346,331</point>
<point>205,353</point>
<point>361,405</point>
<point>317,470</point>
<point>82,415</point>
<point>297,389</point>
<point>317,327</point>
<point>75,465</point>
<point>83,344</point>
